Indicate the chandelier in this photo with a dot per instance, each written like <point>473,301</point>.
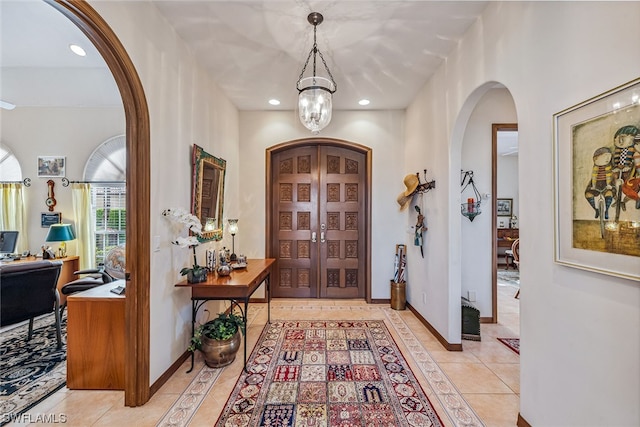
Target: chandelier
<point>315,93</point>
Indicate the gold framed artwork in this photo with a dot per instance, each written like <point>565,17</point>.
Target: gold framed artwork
<point>596,183</point>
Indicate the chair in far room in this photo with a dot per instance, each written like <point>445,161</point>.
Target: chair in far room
<point>515,259</point>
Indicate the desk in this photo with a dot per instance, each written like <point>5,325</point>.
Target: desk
<point>96,338</point>
<point>70,264</point>
<point>506,236</point>
<point>239,286</point>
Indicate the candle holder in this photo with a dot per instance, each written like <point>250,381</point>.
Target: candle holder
<point>471,209</point>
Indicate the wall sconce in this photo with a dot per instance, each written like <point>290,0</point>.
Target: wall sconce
<point>471,209</point>
<point>61,233</point>
<point>233,229</point>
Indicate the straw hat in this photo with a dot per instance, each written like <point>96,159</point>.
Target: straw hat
<point>411,182</point>
<point>403,201</point>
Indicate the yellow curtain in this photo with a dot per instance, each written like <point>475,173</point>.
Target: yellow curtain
<point>85,225</point>
<point>13,214</point>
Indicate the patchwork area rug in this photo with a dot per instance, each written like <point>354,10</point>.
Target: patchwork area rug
<point>30,370</point>
<point>327,373</point>
<point>509,277</point>
<point>512,343</point>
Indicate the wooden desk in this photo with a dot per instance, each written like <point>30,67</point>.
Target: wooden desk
<point>506,236</point>
<point>95,339</point>
<point>239,286</point>
<point>70,264</point>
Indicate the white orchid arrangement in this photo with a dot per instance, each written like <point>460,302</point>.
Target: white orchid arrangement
<point>194,226</point>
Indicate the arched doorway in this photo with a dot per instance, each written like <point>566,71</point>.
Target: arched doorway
<point>319,223</point>
<point>472,243</point>
<point>138,207</point>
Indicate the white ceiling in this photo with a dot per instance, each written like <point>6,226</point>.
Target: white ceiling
<point>37,67</point>
<point>381,50</point>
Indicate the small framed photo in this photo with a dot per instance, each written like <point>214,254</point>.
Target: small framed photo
<point>596,183</point>
<point>49,218</point>
<point>504,207</point>
<point>51,166</point>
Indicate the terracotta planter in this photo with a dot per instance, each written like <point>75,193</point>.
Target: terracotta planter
<point>220,353</point>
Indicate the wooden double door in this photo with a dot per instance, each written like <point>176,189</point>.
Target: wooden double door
<point>318,222</point>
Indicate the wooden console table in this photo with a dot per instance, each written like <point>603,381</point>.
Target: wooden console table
<point>237,287</point>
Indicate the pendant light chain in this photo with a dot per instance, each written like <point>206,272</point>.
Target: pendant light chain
<point>315,101</point>
<point>314,50</point>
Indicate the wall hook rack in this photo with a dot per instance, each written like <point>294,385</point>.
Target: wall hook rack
<point>425,186</point>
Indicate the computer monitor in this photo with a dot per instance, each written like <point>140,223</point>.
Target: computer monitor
<point>8,242</point>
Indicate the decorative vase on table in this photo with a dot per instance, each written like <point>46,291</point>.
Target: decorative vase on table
<point>224,269</point>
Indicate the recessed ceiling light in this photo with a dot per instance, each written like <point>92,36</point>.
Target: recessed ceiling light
<point>77,50</point>
<point>364,102</point>
<point>274,102</point>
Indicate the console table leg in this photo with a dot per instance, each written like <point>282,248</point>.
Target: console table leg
<point>246,308</point>
<point>195,306</point>
<point>268,289</point>
<point>194,310</point>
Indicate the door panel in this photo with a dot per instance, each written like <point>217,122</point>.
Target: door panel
<point>342,222</point>
<point>318,222</point>
<point>294,219</point>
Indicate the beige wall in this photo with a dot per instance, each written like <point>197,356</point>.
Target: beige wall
<point>579,330</point>
<point>185,107</point>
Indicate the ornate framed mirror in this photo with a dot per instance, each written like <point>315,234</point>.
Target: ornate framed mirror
<point>208,192</point>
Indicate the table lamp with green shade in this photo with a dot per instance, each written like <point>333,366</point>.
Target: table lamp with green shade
<point>61,233</point>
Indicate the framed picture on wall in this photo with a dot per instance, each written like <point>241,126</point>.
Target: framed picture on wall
<point>49,218</point>
<point>596,183</point>
<point>51,166</point>
<point>504,207</point>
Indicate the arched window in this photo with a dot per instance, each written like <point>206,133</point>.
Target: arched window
<point>105,170</point>
<point>10,169</point>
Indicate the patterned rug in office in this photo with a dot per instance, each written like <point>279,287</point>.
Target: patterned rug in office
<point>509,277</point>
<point>30,370</point>
<point>327,373</point>
<point>512,343</point>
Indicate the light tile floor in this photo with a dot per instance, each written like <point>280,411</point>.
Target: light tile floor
<point>485,373</point>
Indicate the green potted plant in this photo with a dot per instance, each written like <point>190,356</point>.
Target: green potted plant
<point>219,339</point>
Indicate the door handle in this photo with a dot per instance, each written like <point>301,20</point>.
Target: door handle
<point>322,240</point>
<point>313,237</point>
